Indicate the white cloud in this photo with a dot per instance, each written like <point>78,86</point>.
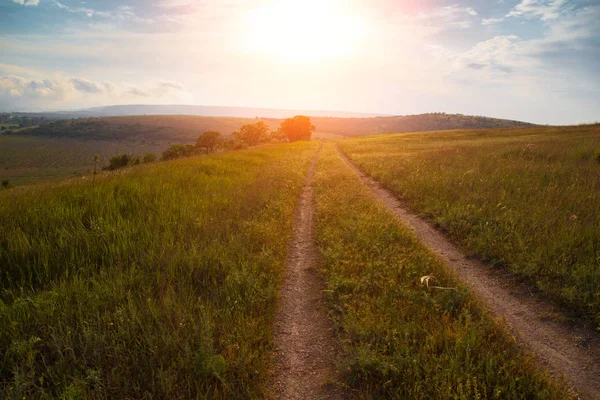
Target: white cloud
<point>27,2</point>
<point>490,21</point>
<point>62,91</point>
<point>544,9</point>
<point>121,13</point>
<point>454,15</point>
<point>501,54</point>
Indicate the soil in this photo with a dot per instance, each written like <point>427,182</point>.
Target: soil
<point>568,349</point>
<point>306,350</point>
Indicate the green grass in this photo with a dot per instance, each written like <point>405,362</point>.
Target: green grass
<point>525,199</point>
<point>158,282</point>
<point>400,339</point>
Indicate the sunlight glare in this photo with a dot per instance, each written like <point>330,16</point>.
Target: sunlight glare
<point>303,31</point>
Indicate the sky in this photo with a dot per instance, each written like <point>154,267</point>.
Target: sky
<point>530,60</point>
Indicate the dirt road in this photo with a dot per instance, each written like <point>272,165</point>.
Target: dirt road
<point>304,362</point>
<point>570,352</point>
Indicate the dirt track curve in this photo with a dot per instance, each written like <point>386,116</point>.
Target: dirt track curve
<point>570,352</point>
<point>304,361</point>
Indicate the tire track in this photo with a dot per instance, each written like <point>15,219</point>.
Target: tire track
<point>304,360</point>
<point>568,351</point>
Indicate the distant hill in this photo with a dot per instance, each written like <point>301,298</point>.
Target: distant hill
<point>151,128</point>
<point>205,111</point>
<point>182,128</point>
<point>410,123</point>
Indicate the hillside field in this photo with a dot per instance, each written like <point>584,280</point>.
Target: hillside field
<point>159,281</point>
<point>162,281</point>
<point>526,201</point>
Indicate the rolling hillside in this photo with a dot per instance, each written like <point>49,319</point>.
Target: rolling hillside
<point>183,128</point>
<point>163,281</point>
<point>352,127</point>
<point>171,128</point>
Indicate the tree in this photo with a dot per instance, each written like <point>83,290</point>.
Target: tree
<point>209,141</point>
<point>253,134</point>
<point>297,128</point>
<point>278,136</point>
<point>3,128</point>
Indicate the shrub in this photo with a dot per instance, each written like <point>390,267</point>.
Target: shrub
<point>6,184</point>
<point>597,156</point>
<point>149,157</point>
<point>117,162</point>
<point>178,151</point>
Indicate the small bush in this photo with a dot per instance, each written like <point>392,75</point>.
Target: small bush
<point>118,162</point>
<point>6,184</point>
<point>597,156</point>
<point>178,151</point>
<point>149,157</point>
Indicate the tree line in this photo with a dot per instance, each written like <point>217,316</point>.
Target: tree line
<point>291,129</point>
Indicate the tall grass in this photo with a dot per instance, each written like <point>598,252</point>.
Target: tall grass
<point>527,199</point>
<point>159,282</point>
<point>402,338</point>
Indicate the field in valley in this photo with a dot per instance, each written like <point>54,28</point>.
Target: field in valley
<point>26,160</point>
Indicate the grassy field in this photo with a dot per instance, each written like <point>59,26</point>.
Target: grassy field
<point>158,282</point>
<point>527,200</point>
<point>400,338</point>
<point>28,159</point>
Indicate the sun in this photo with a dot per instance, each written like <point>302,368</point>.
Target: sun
<point>302,31</point>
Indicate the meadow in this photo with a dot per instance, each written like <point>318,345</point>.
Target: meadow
<point>527,201</point>
<point>402,338</point>
<point>158,281</point>
<point>162,280</point>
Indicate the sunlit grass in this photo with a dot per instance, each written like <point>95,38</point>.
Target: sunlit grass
<point>157,282</point>
<point>408,328</point>
<point>528,199</point>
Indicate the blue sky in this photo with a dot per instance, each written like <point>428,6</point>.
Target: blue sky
<point>533,60</point>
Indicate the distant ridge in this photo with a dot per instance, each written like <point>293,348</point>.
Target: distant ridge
<point>205,111</point>
<point>411,123</point>
<point>186,128</point>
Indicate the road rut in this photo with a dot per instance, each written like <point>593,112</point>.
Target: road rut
<point>572,352</point>
<point>304,361</point>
